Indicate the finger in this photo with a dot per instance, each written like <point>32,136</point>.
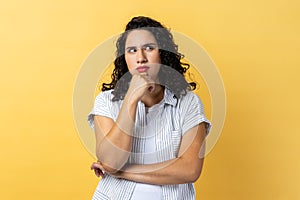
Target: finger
<point>101,173</point>
<point>94,165</point>
<point>151,88</point>
<point>148,78</point>
<point>144,74</point>
<point>99,165</point>
<point>98,172</point>
<point>98,169</point>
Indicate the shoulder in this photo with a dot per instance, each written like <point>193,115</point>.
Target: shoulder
<point>190,98</point>
<point>105,96</point>
<point>190,103</point>
<point>105,106</point>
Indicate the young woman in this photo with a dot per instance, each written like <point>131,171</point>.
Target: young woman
<point>150,128</point>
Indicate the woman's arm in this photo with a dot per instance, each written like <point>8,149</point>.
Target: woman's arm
<point>114,139</point>
<point>184,169</point>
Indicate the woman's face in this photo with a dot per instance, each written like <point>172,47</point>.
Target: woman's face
<point>142,53</point>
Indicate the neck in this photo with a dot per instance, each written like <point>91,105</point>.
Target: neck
<point>154,97</point>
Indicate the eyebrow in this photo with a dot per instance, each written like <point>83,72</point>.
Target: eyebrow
<point>153,44</point>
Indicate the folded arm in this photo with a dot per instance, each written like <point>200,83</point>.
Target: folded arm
<point>184,169</point>
<point>113,139</point>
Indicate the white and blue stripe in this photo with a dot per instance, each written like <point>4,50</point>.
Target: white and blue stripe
<point>171,122</point>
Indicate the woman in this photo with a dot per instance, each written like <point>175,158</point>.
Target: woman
<point>150,128</point>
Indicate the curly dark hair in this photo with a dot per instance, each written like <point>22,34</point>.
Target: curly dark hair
<point>169,56</point>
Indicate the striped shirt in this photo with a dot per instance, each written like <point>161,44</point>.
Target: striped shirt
<point>170,123</point>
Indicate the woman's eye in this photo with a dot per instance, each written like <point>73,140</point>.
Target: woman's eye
<point>149,48</point>
<point>131,50</point>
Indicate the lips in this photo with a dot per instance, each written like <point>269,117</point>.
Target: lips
<point>142,68</point>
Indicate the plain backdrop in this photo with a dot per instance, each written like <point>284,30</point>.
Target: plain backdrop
<point>255,45</point>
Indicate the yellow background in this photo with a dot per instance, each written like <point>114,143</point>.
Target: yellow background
<point>255,45</point>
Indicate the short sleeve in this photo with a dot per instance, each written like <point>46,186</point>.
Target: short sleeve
<point>102,106</point>
<point>194,113</point>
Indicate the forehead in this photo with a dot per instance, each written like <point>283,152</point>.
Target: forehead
<point>139,38</point>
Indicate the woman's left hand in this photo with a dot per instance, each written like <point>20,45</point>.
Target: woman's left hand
<point>100,172</point>
<point>98,169</point>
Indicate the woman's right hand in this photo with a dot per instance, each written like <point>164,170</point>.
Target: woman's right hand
<point>140,84</point>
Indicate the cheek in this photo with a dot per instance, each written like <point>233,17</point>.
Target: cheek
<point>156,56</point>
<point>155,70</point>
<point>129,62</point>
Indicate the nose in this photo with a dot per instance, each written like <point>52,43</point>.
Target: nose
<point>141,56</point>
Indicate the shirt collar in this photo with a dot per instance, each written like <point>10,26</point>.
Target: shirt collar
<point>169,97</point>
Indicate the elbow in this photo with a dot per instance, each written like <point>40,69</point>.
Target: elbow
<point>109,169</point>
<point>111,161</point>
<point>193,172</point>
<point>193,175</point>
<point>111,166</point>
